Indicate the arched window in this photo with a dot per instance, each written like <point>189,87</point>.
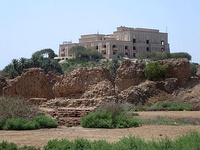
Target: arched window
<point>126,47</point>
<point>162,49</point>
<point>114,46</point>
<point>147,49</point>
<point>104,46</point>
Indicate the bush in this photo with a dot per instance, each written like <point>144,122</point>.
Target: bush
<point>101,145</point>
<point>110,115</point>
<point>155,71</point>
<point>8,146</point>
<point>58,145</point>
<point>46,122</point>
<point>20,124</point>
<point>16,108</point>
<point>130,143</point>
<point>25,124</point>
<point>81,144</point>
<point>28,148</point>
<point>173,106</point>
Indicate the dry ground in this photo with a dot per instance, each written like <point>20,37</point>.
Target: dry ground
<point>39,138</point>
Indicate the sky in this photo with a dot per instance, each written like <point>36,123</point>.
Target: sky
<point>27,26</point>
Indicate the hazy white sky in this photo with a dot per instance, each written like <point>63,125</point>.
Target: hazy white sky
<point>27,26</point>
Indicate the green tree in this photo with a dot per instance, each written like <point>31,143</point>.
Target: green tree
<point>181,55</point>
<point>44,53</point>
<point>155,71</point>
<point>43,59</point>
<point>83,53</point>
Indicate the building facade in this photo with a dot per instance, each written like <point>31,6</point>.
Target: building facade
<point>130,42</point>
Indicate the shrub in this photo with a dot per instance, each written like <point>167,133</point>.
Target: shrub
<point>58,145</point>
<point>16,108</point>
<point>188,141</point>
<point>20,124</point>
<point>131,142</point>
<point>101,145</point>
<point>173,106</point>
<point>7,146</point>
<point>110,115</point>
<point>28,148</point>
<point>25,124</point>
<point>81,144</point>
<point>155,71</point>
<point>46,122</point>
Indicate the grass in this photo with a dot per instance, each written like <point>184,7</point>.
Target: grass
<point>189,141</point>
<point>170,106</point>
<point>163,120</point>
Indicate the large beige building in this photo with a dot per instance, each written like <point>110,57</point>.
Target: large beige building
<point>131,42</point>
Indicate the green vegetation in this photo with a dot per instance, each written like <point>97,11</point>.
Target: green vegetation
<point>173,106</point>
<point>83,53</point>
<point>25,124</point>
<point>194,67</point>
<point>163,120</point>
<point>163,55</point>
<point>11,146</point>
<point>43,59</point>
<point>155,71</point>
<point>18,114</point>
<point>72,64</point>
<point>189,141</point>
<point>111,115</point>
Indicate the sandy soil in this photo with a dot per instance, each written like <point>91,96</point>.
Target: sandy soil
<point>39,138</point>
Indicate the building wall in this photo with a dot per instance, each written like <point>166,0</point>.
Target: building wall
<point>132,42</point>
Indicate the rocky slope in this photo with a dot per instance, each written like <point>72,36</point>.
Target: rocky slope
<point>84,89</point>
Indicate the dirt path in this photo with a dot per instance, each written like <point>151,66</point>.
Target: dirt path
<point>39,138</point>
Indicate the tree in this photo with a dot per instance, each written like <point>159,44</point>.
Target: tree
<point>44,53</point>
<point>43,59</point>
<point>181,55</point>
<point>81,52</point>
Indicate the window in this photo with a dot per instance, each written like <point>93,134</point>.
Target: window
<point>104,53</point>
<point>162,49</point>
<point>147,41</point>
<point>114,53</point>
<point>114,46</point>
<point>104,46</point>
<point>162,42</point>
<point>97,47</point>
<point>133,54</point>
<point>134,40</point>
<point>126,47</point>
<point>147,49</point>
<point>126,54</point>
<point>134,48</point>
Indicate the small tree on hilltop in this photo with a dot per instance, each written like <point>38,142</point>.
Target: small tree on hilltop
<point>155,71</point>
